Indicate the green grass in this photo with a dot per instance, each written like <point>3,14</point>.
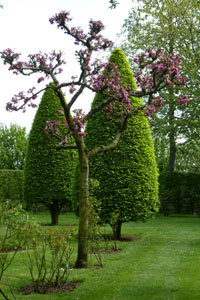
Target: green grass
<point>64,219</point>
<point>162,264</point>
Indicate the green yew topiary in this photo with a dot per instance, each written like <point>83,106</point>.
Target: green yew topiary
<point>48,171</point>
<point>127,175</point>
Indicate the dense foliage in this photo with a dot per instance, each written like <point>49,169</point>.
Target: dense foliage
<point>48,170</point>
<point>180,193</point>
<point>11,182</point>
<point>13,143</point>
<point>127,175</point>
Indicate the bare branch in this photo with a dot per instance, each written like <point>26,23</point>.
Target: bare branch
<point>4,295</point>
<point>113,144</point>
<point>99,107</point>
<point>76,95</point>
<point>62,145</point>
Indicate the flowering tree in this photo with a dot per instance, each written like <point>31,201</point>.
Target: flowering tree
<point>156,72</point>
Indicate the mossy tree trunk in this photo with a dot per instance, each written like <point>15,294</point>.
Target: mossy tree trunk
<point>82,258</point>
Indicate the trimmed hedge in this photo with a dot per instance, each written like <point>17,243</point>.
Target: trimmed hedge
<point>179,193</point>
<point>48,171</point>
<point>11,185</point>
<point>127,175</point>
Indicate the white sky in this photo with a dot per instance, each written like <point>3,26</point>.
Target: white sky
<point>25,27</point>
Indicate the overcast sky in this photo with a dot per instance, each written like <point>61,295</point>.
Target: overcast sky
<point>25,27</point>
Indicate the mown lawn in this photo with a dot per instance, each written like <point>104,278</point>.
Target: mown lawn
<point>163,263</point>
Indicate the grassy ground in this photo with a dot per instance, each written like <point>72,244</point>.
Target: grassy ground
<point>162,264</point>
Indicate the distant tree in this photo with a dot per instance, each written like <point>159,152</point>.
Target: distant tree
<point>48,171</point>
<point>127,174</point>
<point>173,26</point>
<point>13,143</point>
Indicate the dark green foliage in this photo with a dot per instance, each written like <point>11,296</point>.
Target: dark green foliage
<point>127,175</point>
<point>48,171</point>
<point>179,192</point>
<point>11,182</point>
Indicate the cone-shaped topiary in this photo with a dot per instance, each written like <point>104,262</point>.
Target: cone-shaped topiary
<point>127,175</point>
<point>48,171</point>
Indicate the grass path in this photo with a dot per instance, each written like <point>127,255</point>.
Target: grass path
<point>162,264</point>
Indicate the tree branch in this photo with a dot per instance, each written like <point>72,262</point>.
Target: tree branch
<point>76,95</point>
<point>99,107</point>
<point>62,145</point>
<point>113,144</point>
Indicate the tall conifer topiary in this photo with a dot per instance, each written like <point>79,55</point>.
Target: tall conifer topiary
<point>48,171</point>
<point>127,175</point>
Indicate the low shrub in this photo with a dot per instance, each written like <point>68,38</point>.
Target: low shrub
<point>14,224</point>
<point>49,253</point>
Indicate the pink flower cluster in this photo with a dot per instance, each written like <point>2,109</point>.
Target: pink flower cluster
<point>52,127</point>
<point>109,83</point>
<point>155,69</point>
<point>60,19</point>
<point>26,100</point>
<point>79,119</point>
<point>156,72</point>
<point>183,100</point>
<point>154,105</point>
<point>93,40</point>
<point>39,62</point>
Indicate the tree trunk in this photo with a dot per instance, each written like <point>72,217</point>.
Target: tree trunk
<point>54,211</point>
<point>172,139</point>
<point>82,258</point>
<point>116,227</point>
